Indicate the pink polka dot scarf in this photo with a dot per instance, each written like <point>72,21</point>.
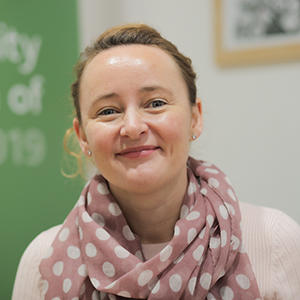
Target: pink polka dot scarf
<point>96,255</point>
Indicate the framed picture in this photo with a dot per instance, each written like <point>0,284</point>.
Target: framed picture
<point>256,31</point>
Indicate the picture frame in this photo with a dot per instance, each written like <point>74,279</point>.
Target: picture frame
<point>256,31</point>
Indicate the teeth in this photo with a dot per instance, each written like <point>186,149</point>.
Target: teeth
<point>138,150</point>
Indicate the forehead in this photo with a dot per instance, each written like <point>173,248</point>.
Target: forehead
<point>142,59</point>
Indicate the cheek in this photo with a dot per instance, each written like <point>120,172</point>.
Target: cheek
<point>175,129</point>
<point>100,138</point>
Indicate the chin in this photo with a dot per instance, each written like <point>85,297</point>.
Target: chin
<point>141,187</point>
<point>144,181</point>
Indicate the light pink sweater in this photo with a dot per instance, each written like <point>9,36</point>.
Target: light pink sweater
<point>271,238</point>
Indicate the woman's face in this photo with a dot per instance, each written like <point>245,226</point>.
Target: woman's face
<point>136,117</point>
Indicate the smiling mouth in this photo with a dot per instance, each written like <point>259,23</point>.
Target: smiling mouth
<point>137,152</point>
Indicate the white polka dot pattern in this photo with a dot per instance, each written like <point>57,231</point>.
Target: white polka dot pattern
<point>213,182</point>
<point>114,209</point>
<point>128,233</point>
<point>231,194</point>
<point>192,285</point>
<point>64,234</point>
<point>184,211</point>
<point>176,230</point>
<point>243,281</point>
<point>175,283</point>
<point>58,268</point>
<point>166,253</point>
<point>226,293</point>
<point>210,220</point>
<point>95,282</point>
<point>108,269</point>
<point>86,218</point>
<point>82,271</point>
<point>80,233</point>
<point>121,252</point>
<point>203,191</point>
<point>102,189</point>
<point>145,277</point>
<point>198,252</point>
<point>206,164</point>
<point>194,215</point>
<point>222,273</point>
<point>214,242</point>
<point>124,294</point>
<point>111,285</point>
<point>80,201</point>
<point>73,252</point>
<point>212,171</point>
<point>223,212</point>
<point>205,280</point>
<point>96,248</point>
<point>191,235</point>
<point>210,297</point>
<point>235,242</point>
<point>67,285</point>
<point>90,250</point>
<point>139,255</point>
<point>99,219</point>
<point>156,288</point>
<point>192,188</point>
<point>202,233</point>
<point>230,208</point>
<point>89,198</point>
<point>223,238</point>
<point>95,295</point>
<point>82,289</point>
<point>102,234</point>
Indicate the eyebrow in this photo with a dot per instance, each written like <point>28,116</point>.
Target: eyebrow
<point>142,90</point>
<point>154,88</point>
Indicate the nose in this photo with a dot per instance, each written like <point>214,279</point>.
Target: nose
<point>133,124</point>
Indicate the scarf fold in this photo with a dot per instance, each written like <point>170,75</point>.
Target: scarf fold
<point>96,255</point>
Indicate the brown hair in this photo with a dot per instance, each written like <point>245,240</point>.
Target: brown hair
<point>133,34</point>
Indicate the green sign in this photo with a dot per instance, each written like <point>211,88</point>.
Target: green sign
<point>38,48</point>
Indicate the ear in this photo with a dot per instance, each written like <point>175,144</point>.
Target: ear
<point>197,118</point>
<point>83,143</point>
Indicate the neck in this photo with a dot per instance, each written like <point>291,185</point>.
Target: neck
<point>152,216</point>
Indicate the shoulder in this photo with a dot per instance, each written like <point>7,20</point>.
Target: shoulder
<point>249,210</point>
<point>269,223</point>
<point>46,236</point>
<point>39,246</point>
<point>272,241</point>
<point>28,281</point>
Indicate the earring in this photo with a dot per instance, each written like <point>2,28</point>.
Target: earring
<point>193,137</point>
<point>89,152</point>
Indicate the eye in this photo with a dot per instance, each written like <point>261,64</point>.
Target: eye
<point>107,111</point>
<point>156,103</point>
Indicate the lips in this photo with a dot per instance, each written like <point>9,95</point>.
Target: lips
<point>135,152</point>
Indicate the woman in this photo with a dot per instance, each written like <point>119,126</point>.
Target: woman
<point>156,224</point>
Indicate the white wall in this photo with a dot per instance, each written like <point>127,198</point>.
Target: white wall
<point>251,114</point>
